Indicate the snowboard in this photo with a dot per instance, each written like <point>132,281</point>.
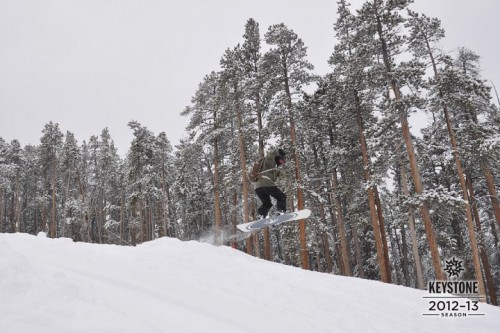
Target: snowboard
<point>274,220</point>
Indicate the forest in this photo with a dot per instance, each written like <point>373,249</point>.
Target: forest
<point>388,203</point>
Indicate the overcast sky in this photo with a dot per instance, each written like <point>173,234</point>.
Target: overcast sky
<point>91,64</point>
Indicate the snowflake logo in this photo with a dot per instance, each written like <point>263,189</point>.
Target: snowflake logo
<point>454,267</point>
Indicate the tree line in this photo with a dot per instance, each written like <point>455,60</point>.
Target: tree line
<point>387,204</point>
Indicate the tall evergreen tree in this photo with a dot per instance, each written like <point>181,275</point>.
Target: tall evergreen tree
<point>209,116</point>
<point>141,182</point>
<point>351,60</point>
<point>288,63</point>
<point>192,191</point>
<point>50,148</point>
<point>424,32</point>
<point>70,157</point>
<point>164,166</point>
<point>232,75</point>
<point>257,92</point>
<point>383,21</point>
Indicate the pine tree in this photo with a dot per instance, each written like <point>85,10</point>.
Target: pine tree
<point>4,181</point>
<point>163,165</point>
<point>468,97</point>
<point>467,62</point>
<point>351,61</point>
<point>70,156</point>
<point>84,175</point>
<point>31,188</point>
<point>192,192</point>
<point>255,78</point>
<point>424,32</point>
<point>384,21</point>
<point>288,63</point>
<point>15,157</point>
<point>209,117</point>
<point>232,75</point>
<point>108,164</point>
<point>256,88</point>
<point>141,182</point>
<point>50,147</point>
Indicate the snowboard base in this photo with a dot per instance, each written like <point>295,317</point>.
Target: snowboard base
<point>274,220</point>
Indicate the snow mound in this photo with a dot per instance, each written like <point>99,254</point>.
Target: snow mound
<point>55,285</point>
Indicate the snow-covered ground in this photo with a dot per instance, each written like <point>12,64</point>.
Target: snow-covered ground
<point>56,285</point>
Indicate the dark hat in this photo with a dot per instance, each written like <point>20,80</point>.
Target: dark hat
<point>279,159</point>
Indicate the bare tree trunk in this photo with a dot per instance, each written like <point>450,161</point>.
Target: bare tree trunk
<point>482,250</point>
<point>43,222</point>
<point>217,209</point>
<point>296,158</point>
<point>357,248</point>
<point>327,255</point>
<point>383,233</point>
<point>267,243</point>
<point>84,218</point>
<point>19,212</point>
<point>334,232</point>
<point>385,272</point>
<point>319,265</point>
<point>147,221</point>
<point>234,218</point>
<point>259,125</point>
<point>2,207</point>
<point>243,164</point>
<point>249,241</point>
<point>53,224</point>
<point>496,242</point>
<point>132,226</point>
<point>122,218</point>
<point>344,249</point>
<point>411,221</point>
<point>256,244</point>
<point>12,213</point>
<point>404,245</point>
<point>166,202</point>
<point>395,253</point>
<point>65,208</point>
<point>321,235</point>
<point>488,175</point>
<point>266,233</point>
<point>16,205</point>
<point>140,212</point>
<point>151,219</point>
<point>99,223</point>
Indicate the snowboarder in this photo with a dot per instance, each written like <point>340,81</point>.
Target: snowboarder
<point>265,186</point>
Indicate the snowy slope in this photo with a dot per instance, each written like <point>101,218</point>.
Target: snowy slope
<point>167,285</point>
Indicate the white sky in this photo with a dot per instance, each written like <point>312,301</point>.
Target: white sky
<point>90,64</point>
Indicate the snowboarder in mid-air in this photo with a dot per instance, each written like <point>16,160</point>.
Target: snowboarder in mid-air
<point>265,186</point>
<point>264,173</point>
